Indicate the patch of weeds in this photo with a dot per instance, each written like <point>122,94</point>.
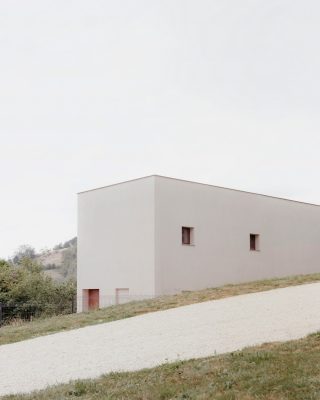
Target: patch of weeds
<point>82,388</point>
<point>184,396</point>
<point>229,384</point>
<point>259,357</point>
<point>166,393</point>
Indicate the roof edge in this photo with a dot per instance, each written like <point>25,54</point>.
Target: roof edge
<point>203,184</point>
<point>118,183</point>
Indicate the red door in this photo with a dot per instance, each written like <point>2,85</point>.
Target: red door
<point>93,299</point>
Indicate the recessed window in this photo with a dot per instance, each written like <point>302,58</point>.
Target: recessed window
<point>122,295</point>
<point>254,242</point>
<point>187,235</point>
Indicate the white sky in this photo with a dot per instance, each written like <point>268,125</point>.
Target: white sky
<point>94,92</point>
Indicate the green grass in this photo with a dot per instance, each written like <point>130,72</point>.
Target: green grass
<point>287,371</point>
<point>40,327</point>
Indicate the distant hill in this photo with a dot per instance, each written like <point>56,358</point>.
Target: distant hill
<point>61,262</point>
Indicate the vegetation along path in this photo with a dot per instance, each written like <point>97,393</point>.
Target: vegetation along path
<point>192,331</point>
<point>18,330</point>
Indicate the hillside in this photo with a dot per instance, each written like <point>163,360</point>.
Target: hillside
<point>184,333</point>
<point>286,371</point>
<point>45,326</point>
<point>61,262</point>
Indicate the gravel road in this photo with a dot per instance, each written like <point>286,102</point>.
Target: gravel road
<point>197,330</point>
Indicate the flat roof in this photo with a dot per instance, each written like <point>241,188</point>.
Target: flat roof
<point>199,183</point>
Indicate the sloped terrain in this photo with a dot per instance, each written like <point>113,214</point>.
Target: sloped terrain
<point>275,371</point>
<point>197,330</point>
<point>60,263</point>
<point>21,331</point>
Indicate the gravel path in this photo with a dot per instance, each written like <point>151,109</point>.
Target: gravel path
<point>197,330</point>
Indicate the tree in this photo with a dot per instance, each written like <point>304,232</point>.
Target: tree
<point>24,252</point>
<point>7,279</point>
<point>25,288</point>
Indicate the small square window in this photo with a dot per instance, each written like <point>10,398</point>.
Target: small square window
<point>254,242</point>
<point>187,235</point>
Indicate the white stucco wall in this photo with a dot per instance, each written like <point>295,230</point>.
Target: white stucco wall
<point>129,236</point>
<point>116,240</point>
<point>223,220</point>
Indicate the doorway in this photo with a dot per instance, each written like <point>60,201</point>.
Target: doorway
<point>93,299</point>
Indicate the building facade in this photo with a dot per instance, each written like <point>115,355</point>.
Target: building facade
<point>157,235</point>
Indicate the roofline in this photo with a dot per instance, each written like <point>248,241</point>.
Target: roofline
<point>203,184</point>
<point>118,183</point>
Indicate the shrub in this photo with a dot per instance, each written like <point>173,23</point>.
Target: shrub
<point>26,290</point>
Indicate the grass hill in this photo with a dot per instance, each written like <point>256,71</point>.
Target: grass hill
<point>276,371</point>
<point>61,262</point>
<point>22,331</point>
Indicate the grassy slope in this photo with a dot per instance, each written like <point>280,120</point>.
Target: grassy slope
<point>288,371</point>
<point>10,334</point>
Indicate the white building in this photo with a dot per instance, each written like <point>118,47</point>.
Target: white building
<point>156,235</point>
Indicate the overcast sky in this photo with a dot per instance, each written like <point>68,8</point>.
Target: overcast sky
<point>94,92</point>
